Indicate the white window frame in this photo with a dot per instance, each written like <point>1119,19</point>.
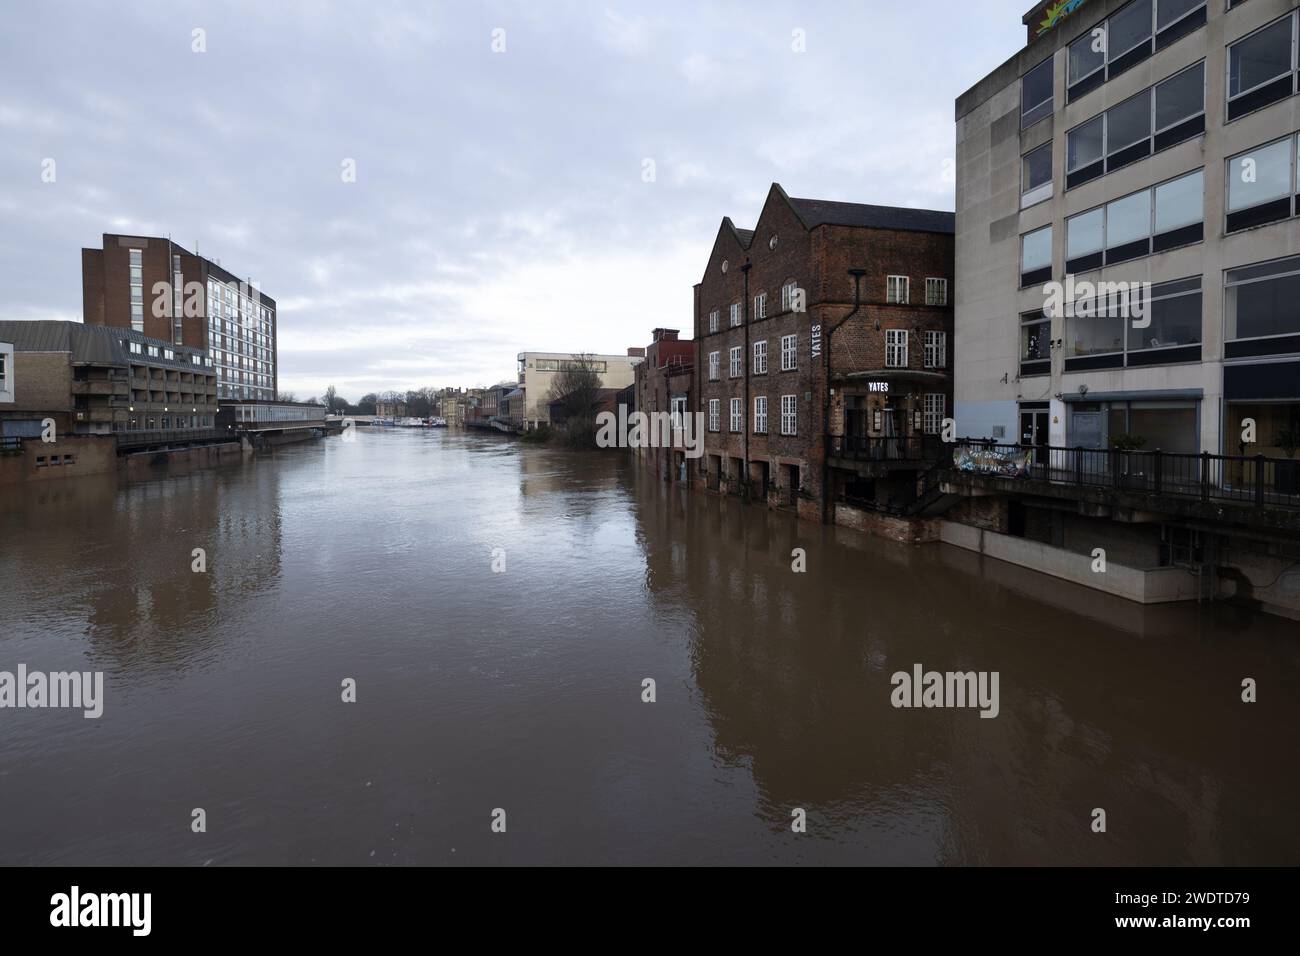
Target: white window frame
<point>714,366</point>
<point>760,306</point>
<point>736,358</point>
<point>936,292</point>
<point>934,412</point>
<point>713,321</point>
<point>898,290</point>
<point>787,295</point>
<point>936,349</point>
<point>714,415</point>
<point>737,416</point>
<point>760,414</point>
<point>789,415</point>
<point>895,348</point>
<point>790,352</point>
<point>759,361</point>
<point>735,315</point>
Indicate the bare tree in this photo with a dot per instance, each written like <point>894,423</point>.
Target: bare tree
<point>576,387</point>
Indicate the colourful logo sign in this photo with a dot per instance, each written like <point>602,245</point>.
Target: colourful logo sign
<point>1058,12</point>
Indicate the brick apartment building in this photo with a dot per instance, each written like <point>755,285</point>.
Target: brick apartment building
<point>97,381</point>
<point>762,354</point>
<point>665,382</point>
<point>208,308</point>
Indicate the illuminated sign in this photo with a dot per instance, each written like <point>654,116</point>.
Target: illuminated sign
<point>1057,12</point>
<point>816,341</point>
<point>878,387</point>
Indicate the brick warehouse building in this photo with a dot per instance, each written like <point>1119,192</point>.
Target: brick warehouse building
<point>665,383</point>
<point>210,308</point>
<point>761,362</point>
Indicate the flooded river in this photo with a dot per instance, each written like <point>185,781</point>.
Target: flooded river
<point>500,608</point>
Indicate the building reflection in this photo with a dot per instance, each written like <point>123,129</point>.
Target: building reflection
<point>1098,706</point>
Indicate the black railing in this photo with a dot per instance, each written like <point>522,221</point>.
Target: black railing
<point>903,448</point>
<point>146,438</point>
<point>1259,481</point>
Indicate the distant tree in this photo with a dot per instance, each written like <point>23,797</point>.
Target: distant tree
<point>417,403</point>
<point>577,388</point>
<point>366,406</point>
<point>313,400</point>
<point>333,402</point>
<point>286,397</point>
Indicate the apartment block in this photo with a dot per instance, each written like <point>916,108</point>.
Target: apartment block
<point>101,381</point>
<point>155,287</point>
<point>1142,149</point>
<point>823,353</point>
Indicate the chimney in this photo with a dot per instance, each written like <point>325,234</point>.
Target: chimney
<point>664,335</point>
<point>636,353</point>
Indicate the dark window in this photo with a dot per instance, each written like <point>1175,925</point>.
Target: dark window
<point>1036,94</point>
<point>1173,317</point>
<point>1261,300</point>
<point>1036,172</point>
<point>1261,68</point>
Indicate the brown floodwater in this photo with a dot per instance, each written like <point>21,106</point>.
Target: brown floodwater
<point>521,689</point>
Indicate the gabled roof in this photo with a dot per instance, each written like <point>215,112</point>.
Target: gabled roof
<point>825,212</point>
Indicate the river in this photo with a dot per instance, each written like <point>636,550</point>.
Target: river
<point>499,607</point>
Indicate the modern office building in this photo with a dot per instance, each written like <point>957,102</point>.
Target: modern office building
<point>1147,142</point>
<point>158,289</point>
<point>537,371</point>
<point>820,388</point>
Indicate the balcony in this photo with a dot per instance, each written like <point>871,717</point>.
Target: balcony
<point>114,387</point>
<point>1256,491</point>
<point>876,456</point>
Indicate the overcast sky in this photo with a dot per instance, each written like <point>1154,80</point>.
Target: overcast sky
<point>499,203</point>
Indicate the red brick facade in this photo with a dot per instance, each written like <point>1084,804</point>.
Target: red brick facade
<point>783,248</point>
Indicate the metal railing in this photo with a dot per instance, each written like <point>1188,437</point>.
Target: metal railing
<point>906,448</point>
<point>1258,481</point>
<point>140,439</point>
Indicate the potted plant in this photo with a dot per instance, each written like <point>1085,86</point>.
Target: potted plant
<point>1130,475</point>
<point>1287,477</point>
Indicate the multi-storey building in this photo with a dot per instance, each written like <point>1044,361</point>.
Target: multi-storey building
<point>822,354</point>
<point>664,383</point>
<point>100,381</point>
<point>1133,141</point>
<point>1128,263</point>
<point>6,373</point>
<point>537,371</point>
<point>159,289</point>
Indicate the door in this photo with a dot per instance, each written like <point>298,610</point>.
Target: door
<point>1035,433</point>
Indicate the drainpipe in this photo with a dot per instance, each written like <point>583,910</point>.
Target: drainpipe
<point>826,395</point>
<point>745,410</point>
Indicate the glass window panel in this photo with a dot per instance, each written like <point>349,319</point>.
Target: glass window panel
<point>1167,11</point>
<point>1174,320</point>
<point>1084,144</point>
<point>1268,307</point>
<point>1036,251</point>
<point>1036,86</point>
<point>1035,341</point>
<point>1128,28</point>
<point>1128,123</point>
<point>1259,176</point>
<point>1084,233</point>
<point>1093,334</point>
<point>1128,219</point>
<point>1181,202</point>
<point>1036,168</point>
<point>1083,58</point>
<point>1170,430</point>
<point>1259,58</point>
<point>1180,97</point>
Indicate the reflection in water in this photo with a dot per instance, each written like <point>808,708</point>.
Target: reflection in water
<point>373,560</point>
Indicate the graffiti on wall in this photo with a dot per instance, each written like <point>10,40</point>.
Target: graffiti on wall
<point>1057,12</point>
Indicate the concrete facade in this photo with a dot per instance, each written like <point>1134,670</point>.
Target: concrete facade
<point>996,376</point>
<point>537,371</point>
